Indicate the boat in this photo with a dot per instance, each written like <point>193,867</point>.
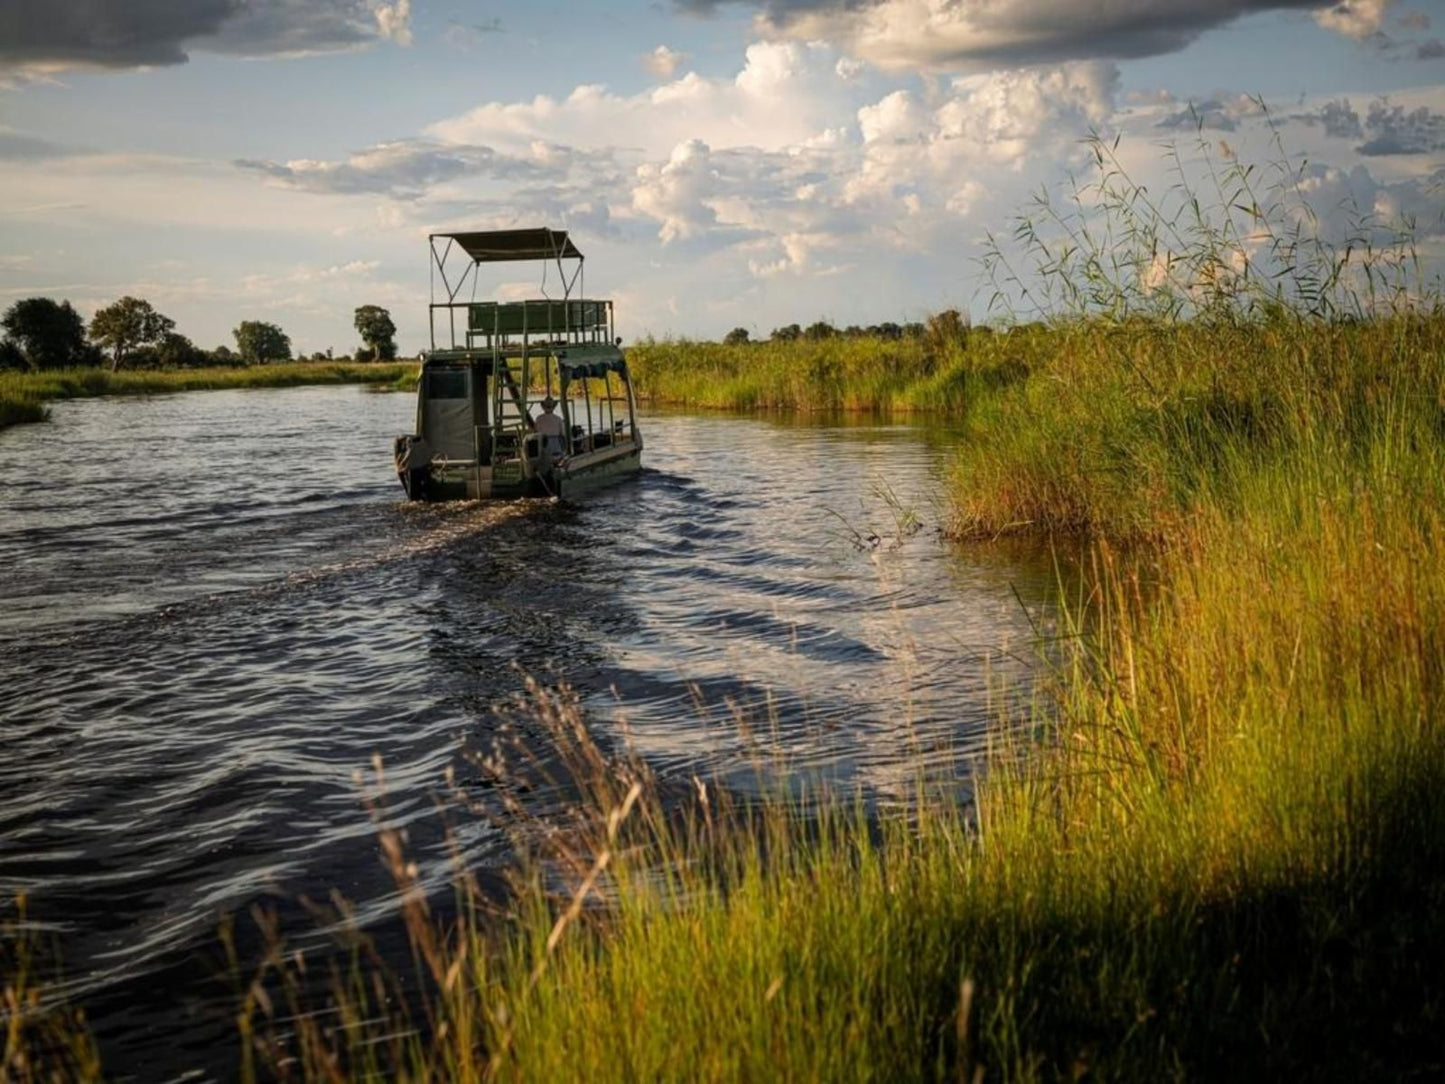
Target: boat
<point>527,398</point>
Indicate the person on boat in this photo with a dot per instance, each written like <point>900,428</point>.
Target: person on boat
<point>550,428</point>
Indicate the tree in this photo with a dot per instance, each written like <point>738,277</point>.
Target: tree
<point>260,343</point>
<point>790,333</point>
<point>738,336</point>
<point>175,351</point>
<point>374,325</point>
<point>127,324</point>
<point>946,330</point>
<point>223,355</point>
<point>11,357</point>
<point>820,331</point>
<point>50,334</point>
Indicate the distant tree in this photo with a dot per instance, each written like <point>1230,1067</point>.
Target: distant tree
<point>260,343</point>
<point>914,331</point>
<point>175,351</point>
<point>321,355</point>
<point>738,336</point>
<point>50,334</point>
<point>127,324</point>
<point>787,334</point>
<point>224,356</point>
<point>946,330</point>
<point>820,331</point>
<point>374,325</point>
<point>11,357</point>
<point>364,353</point>
<point>886,330</point>
<point>853,331</point>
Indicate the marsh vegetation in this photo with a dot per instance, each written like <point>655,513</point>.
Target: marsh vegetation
<point>1211,843</point>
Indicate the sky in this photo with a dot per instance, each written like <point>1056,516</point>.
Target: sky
<point>721,163</point>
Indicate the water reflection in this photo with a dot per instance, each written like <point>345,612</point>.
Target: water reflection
<point>216,610</point>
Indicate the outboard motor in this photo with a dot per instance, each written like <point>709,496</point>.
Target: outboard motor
<point>413,457</point>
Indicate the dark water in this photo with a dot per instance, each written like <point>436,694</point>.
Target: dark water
<point>214,611</point>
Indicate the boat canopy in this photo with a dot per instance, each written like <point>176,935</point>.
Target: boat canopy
<point>504,246</point>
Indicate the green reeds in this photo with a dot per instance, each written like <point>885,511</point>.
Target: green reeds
<point>928,373</point>
<point>23,395</point>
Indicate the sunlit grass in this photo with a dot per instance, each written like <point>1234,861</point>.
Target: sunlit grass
<point>1211,847</point>
<point>851,374</point>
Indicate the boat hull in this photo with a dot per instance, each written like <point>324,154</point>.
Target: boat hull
<point>574,477</point>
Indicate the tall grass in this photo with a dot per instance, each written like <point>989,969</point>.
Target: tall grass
<point>39,1040</point>
<point>23,395</point>
<point>934,373</point>
<point>1211,848</point>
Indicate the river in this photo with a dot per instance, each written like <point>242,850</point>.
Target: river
<point>215,610</point>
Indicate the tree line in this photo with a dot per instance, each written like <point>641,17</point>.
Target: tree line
<point>949,326</point>
<point>41,333</point>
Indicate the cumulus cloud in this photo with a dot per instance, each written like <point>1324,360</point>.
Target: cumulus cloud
<point>1358,19</point>
<point>1395,130</point>
<point>52,35</point>
<point>743,111</point>
<point>1350,203</point>
<point>664,62</point>
<point>393,21</point>
<point>1386,128</point>
<point>1338,119</point>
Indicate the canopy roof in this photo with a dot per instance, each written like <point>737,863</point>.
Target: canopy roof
<point>500,246</point>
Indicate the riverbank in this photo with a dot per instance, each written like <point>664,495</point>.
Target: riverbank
<point>1212,848</point>
<point>23,395</point>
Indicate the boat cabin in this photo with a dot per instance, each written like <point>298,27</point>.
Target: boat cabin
<point>518,398</point>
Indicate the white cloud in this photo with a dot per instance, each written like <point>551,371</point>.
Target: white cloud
<point>1358,19</point>
<point>664,62</point>
<point>393,21</point>
<point>785,93</point>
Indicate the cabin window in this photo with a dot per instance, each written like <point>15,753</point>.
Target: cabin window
<point>446,384</point>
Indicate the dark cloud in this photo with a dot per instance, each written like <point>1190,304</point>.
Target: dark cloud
<point>1433,49</point>
<point>1395,130</point>
<point>1031,31</point>
<point>1338,118</point>
<point>137,33</point>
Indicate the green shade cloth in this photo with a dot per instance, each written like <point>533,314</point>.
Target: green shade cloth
<point>501,246</point>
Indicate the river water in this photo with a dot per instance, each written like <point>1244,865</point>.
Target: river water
<point>215,610</point>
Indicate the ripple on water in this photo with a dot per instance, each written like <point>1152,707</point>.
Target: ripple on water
<point>215,612</point>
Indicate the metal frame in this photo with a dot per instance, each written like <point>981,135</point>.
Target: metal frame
<point>510,355</point>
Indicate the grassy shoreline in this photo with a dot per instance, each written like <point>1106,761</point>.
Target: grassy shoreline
<point>1213,850</point>
<point>1214,847</point>
<point>23,395</point>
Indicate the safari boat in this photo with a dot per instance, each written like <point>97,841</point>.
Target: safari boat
<point>517,398</point>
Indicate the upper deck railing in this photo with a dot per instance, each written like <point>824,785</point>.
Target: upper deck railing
<point>515,325</point>
<point>512,326</point>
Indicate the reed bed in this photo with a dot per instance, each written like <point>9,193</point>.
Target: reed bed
<point>938,374</point>
<point>1211,847</point>
<point>23,395</point>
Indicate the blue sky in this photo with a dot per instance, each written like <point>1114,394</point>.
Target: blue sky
<point>721,164</point>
